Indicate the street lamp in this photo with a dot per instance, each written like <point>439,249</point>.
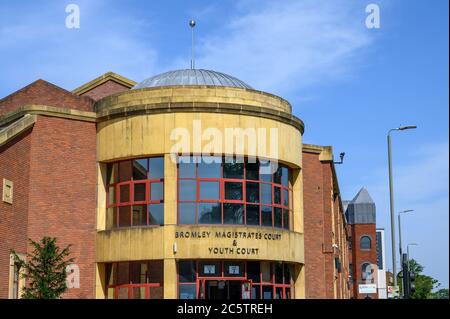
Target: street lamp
<point>400,229</point>
<point>391,197</point>
<point>407,252</point>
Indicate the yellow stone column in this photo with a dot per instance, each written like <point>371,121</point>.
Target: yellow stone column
<point>100,284</point>
<point>170,279</point>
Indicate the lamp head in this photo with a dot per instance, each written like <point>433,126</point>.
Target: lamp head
<point>407,127</point>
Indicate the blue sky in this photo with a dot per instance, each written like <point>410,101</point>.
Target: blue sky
<point>349,84</point>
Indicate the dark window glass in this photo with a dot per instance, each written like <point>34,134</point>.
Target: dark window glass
<point>278,293</point>
<point>209,213</point>
<point>140,169</point>
<point>287,274</point>
<point>125,171</point>
<point>365,242</point>
<point>277,175</point>
<point>253,271</point>
<point>233,168</point>
<point>233,213</point>
<point>256,292</point>
<point>266,215</point>
<point>187,270</point>
<point>187,167</point>
<point>156,214</point>
<point>266,271</point>
<point>157,191</point>
<point>139,192</point>
<point>285,219</point>
<point>287,291</point>
<point>124,216</point>
<point>209,190</point>
<point>266,193</point>
<point>156,167</point>
<point>267,292</point>
<point>285,176</point>
<point>233,191</point>
<point>186,213</point>
<point>210,268</point>
<point>277,217</point>
<point>252,170</point>
<point>139,215</point>
<point>125,193</point>
<point>233,269</point>
<point>278,273</point>
<point>210,167</point>
<point>123,273</point>
<point>111,173</point>
<point>156,271</point>
<point>285,197</point>
<point>187,190</point>
<point>187,291</point>
<point>252,192</point>
<point>252,214</point>
<point>265,171</point>
<point>277,195</point>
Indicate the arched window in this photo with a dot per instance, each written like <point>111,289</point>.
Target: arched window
<point>365,243</point>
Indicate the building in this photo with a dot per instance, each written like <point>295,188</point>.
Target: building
<point>361,217</point>
<point>114,169</point>
<point>381,265</point>
<point>325,226</point>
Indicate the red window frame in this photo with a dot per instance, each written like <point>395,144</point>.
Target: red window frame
<point>198,278</point>
<point>222,200</point>
<point>117,184</point>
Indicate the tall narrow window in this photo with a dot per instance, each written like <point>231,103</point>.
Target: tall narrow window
<point>365,243</point>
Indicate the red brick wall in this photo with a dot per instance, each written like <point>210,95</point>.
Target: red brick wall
<point>63,191</point>
<point>105,89</point>
<point>361,256</point>
<point>45,93</point>
<point>15,166</point>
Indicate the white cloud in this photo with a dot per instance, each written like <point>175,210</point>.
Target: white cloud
<point>283,45</point>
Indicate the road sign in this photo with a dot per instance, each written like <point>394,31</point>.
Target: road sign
<point>393,292</point>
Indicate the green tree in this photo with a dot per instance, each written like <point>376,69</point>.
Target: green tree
<point>44,269</point>
<point>424,284</point>
<point>440,294</point>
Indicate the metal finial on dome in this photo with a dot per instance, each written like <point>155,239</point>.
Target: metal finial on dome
<point>192,25</point>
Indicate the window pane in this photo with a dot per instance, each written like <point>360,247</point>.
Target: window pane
<point>277,217</point>
<point>139,293</point>
<point>253,271</point>
<point>124,216</point>
<point>209,213</point>
<point>266,193</point>
<point>187,291</point>
<point>287,274</point>
<point>186,167</point>
<point>233,168</point>
<point>286,197</point>
<point>286,218</point>
<point>233,213</point>
<point>233,269</point>
<point>156,167</point>
<point>287,291</point>
<point>210,167</point>
<point>252,192</point>
<point>138,272</point>
<point>278,293</point>
<point>187,270</point>
<point>156,271</point>
<point>266,271</point>
<point>111,195</point>
<point>285,176</point>
<point>125,193</point>
<point>186,213</point>
<point>252,214</point>
<point>266,215</point>
<point>123,293</point>
<point>140,169</point>
<point>139,215</point>
<point>278,273</point>
<point>210,268</point>
<point>156,214</point>
<point>265,171</point>
<point>125,171</point>
<point>111,218</point>
<point>365,242</point>
<point>156,292</point>
<point>277,195</point>
<point>233,191</point>
<point>256,292</point>
<point>139,192</point>
<point>187,190</point>
<point>111,173</point>
<point>267,292</point>
<point>277,176</point>
<point>252,171</point>
<point>157,191</point>
<point>209,190</point>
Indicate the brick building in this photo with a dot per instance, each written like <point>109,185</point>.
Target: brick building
<point>94,168</point>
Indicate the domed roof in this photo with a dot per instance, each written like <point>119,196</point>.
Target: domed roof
<point>192,77</point>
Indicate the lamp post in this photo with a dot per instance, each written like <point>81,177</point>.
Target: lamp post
<point>400,229</point>
<point>391,198</point>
